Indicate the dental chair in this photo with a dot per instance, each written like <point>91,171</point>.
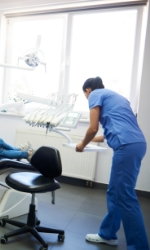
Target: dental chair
<point>47,161</point>
<point>13,203</point>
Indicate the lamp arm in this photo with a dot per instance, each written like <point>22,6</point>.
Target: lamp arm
<point>15,67</point>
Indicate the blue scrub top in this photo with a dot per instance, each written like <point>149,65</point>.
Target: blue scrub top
<point>117,118</point>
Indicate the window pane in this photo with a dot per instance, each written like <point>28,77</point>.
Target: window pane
<point>23,36</point>
<point>102,45</point>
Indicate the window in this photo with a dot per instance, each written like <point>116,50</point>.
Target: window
<point>103,45</point>
<point>76,46</point>
<point>22,35</point>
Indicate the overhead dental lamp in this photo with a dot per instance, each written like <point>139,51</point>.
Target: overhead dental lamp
<point>32,57</point>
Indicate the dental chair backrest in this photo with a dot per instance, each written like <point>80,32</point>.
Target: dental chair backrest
<point>47,161</point>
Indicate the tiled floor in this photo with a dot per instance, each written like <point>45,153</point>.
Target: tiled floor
<point>78,211</point>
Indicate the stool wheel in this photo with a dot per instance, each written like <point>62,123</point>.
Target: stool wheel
<point>38,222</point>
<point>61,237</point>
<point>2,223</point>
<point>4,240</point>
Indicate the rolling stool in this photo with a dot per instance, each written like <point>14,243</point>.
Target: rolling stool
<point>48,162</point>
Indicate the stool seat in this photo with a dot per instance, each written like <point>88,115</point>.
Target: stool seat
<point>31,182</point>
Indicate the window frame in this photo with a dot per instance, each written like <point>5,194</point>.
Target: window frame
<point>67,40</point>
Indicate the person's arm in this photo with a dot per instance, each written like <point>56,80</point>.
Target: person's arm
<point>98,138</point>
<point>92,130</point>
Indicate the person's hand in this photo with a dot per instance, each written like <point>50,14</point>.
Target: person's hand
<point>80,147</point>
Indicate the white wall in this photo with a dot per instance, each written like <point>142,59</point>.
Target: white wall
<point>144,112</point>
<point>9,124</point>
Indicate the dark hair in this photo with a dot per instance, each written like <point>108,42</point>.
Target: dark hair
<point>93,83</point>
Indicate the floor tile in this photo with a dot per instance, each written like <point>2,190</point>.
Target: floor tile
<point>78,211</point>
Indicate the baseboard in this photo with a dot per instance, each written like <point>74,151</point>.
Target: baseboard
<point>144,194</point>
<point>72,181</point>
<point>90,184</point>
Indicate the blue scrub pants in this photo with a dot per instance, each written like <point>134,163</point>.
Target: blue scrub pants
<point>122,201</point>
<point>7,151</point>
